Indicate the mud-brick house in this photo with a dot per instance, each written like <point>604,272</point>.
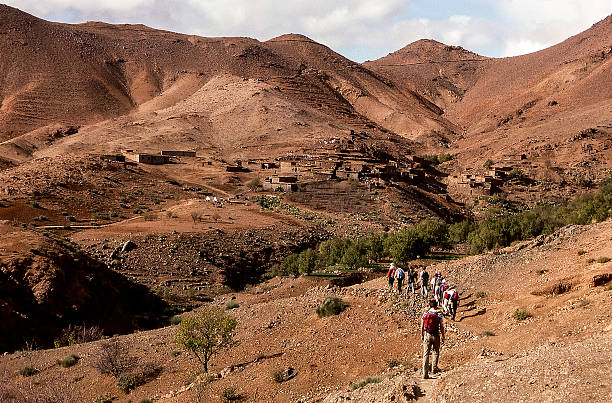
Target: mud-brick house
<point>285,183</point>
<point>153,159</point>
<point>289,167</point>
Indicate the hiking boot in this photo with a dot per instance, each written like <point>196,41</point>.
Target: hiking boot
<point>426,377</point>
<point>436,370</point>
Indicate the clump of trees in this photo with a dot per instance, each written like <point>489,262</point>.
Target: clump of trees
<point>401,246</point>
<point>500,228</point>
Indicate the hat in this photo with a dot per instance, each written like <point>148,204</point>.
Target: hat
<point>443,281</point>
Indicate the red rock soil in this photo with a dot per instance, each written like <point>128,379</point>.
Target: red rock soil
<point>541,357</point>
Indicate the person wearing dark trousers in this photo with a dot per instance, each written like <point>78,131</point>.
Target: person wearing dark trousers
<point>432,334</point>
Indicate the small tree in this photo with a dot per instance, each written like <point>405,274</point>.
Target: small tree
<point>114,359</point>
<point>206,334</point>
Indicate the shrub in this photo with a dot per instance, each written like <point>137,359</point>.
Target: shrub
<point>278,376</point>
<point>603,259</point>
<point>480,294</point>
<point>175,320</point>
<point>232,305</point>
<point>392,363</point>
<point>489,163</point>
<point>591,260</point>
<point>128,382</point>
<point>230,394</point>
<point>581,252</point>
<point>175,353</point>
<point>331,306</point>
<point>70,361</point>
<point>196,216</point>
<point>146,401</point>
<point>488,333</point>
<point>77,334</point>
<point>364,382</point>
<point>608,287</point>
<point>150,216</point>
<point>105,398</point>
<point>114,359</point>
<point>206,334</point>
<point>584,302</point>
<point>28,371</point>
<point>521,314</point>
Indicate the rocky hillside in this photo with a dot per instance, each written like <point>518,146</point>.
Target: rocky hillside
<point>48,284</point>
<point>491,353</point>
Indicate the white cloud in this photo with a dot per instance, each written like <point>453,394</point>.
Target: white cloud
<point>539,24</point>
<point>379,26</point>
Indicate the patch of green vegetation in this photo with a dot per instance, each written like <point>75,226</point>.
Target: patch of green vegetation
<point>581,252</point>
<point>232,305</point>
<point>70,361</point>
<point>364,382</point>
<point>28,371</point>
<point>603,259</point>
<point>521,314</point>
<point>128,382</point>
<point>331,306</point>
<point>230,394</point>
<point>480,294</point>
<point>488,333</point>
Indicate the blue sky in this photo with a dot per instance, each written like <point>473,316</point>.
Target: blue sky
<point>358,29</point>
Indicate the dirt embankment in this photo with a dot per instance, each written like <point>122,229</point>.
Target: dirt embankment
<point>47,284</point>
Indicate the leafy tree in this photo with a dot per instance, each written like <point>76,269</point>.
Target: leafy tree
<point>306,261</point>
<point>356,254</point>
<point>434,232</point>
<point>206,334</point>
<point>407,245</point>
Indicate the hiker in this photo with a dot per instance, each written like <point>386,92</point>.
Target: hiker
<point>411,276</point>
<point>399,276</point>
<point>432,334</point>
<point>391,275</point>
<point>446,302</point>
<point>454,301</point>
<point>424,277</point>
<point>433,282</point>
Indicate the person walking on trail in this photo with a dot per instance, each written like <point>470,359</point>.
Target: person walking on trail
<point>424,277</point>
<point>411,277</point>
<point>391,275</point>
<point>432,334</point>
<point>454,301</point>
<point>399,276</point>
<point>433,283</point>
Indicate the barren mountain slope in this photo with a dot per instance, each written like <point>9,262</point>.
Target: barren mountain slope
<point>438,72</point>
<point>86,73</point>
<point>544,104</point>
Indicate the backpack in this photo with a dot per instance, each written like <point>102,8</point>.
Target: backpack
<point>431,323</point>
<point>455,296</point>
<point>399,274</point>
<point>425,277</point>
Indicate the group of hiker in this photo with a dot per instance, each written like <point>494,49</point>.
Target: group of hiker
<point>437,287</point>
<point>439,292</point>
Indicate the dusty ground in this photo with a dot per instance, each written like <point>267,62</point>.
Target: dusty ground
<point>278,328</point>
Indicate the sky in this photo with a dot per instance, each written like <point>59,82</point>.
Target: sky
<point>358,29</point>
